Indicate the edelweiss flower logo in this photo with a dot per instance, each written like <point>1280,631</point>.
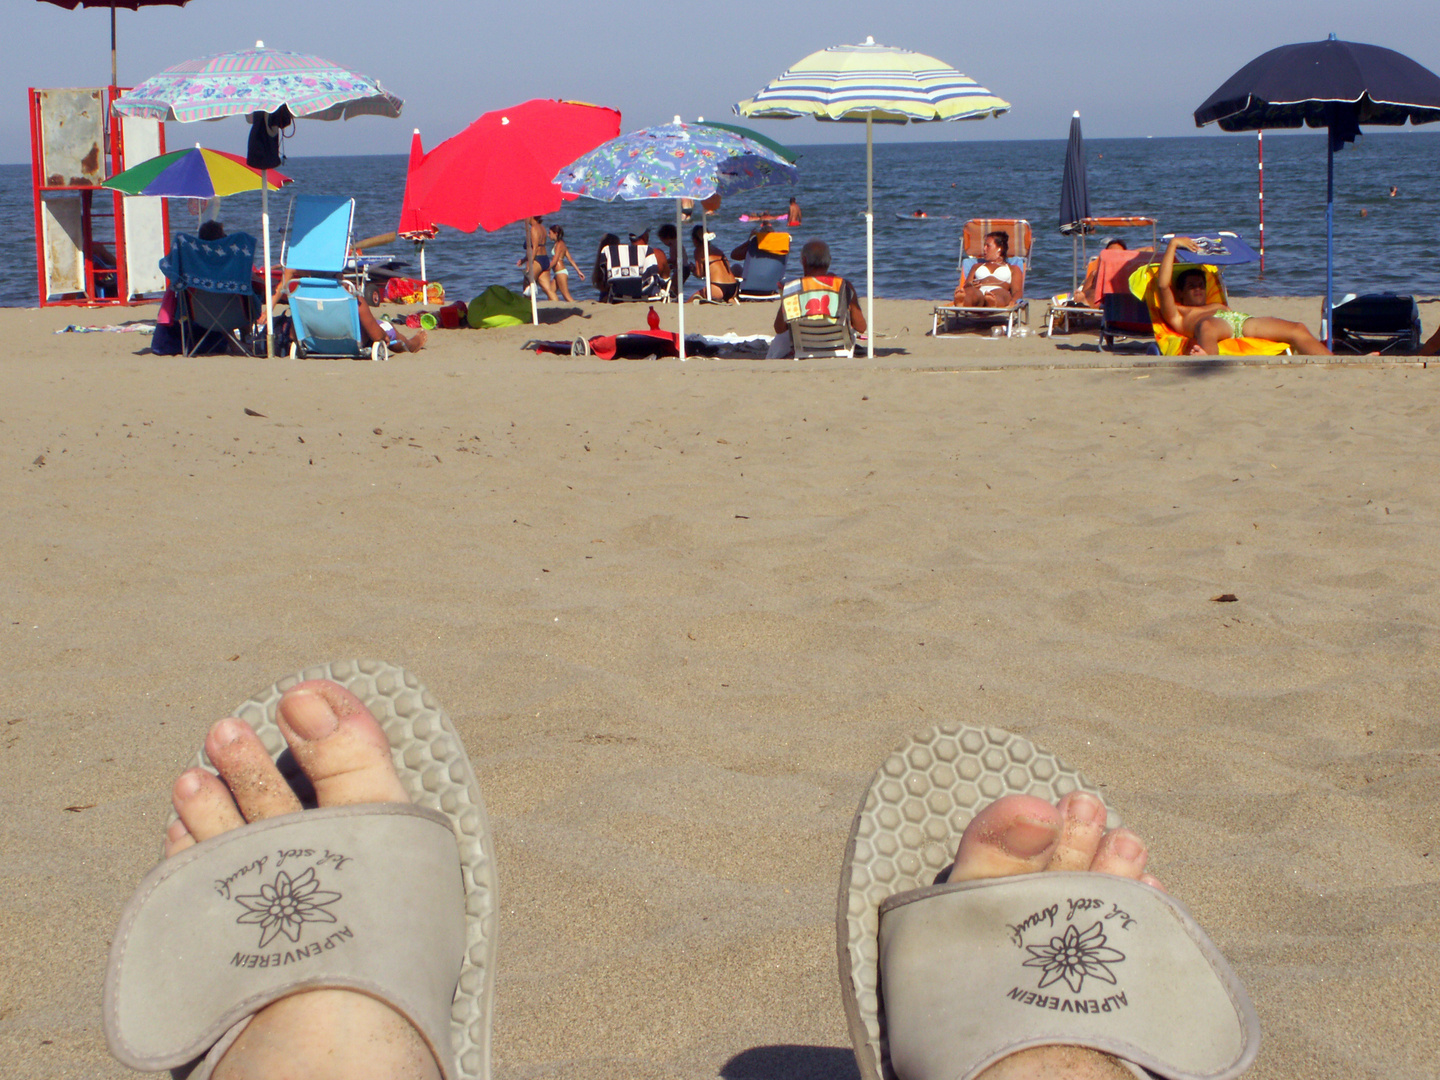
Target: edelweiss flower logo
<point>1072,956</point>
<point>287,904</point>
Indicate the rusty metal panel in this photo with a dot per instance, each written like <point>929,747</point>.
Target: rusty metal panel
<point>72,138</point>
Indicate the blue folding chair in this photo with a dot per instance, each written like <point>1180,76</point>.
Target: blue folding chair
<point>326,314</point>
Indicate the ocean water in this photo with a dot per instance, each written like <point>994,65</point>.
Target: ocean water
<point>1189,185</point>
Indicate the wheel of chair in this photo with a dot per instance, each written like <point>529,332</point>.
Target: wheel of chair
<point>294,350</point>
<point>379,351</point>
<point>375,293</point>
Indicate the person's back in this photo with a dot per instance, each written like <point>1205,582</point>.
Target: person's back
<point>818,299</point>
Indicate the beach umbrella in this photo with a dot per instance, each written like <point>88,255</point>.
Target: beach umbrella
<point>195,173</point>
<point>875,84</point>
<point>129,5</point>
<point>258,80</point>
<point>675,161</point>
<point>1074,197</point>
<point>1331,84</point>
<point>414,225</point>
<point>501,169</point>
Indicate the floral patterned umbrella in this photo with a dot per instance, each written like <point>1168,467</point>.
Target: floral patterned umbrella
<point>675,161</point>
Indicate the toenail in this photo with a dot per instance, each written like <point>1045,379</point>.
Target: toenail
<point>309,715</point>
<point>1086,807</point>
<point>1027,839</point>
<point>188,786</point>
<point>1129,847</point>
<point>227,731</point>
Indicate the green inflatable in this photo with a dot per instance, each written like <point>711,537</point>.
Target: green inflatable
<point>497,306</point>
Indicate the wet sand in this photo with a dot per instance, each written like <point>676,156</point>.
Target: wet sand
<point>680,613</point>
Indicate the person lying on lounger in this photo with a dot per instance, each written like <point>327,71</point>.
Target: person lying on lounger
<point>1183,307</point>
<point>992,282</point>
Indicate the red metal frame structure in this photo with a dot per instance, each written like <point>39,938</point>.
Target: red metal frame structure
<point>102,285</point>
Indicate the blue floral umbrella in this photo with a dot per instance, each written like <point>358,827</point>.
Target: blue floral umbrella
<point>675,161</point>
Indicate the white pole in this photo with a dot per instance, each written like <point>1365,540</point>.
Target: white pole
<point>705,242</point>
<point>423,278</point>
<point>269,285</point>
<point>679,272</point>
<point>869,239</point>
<point>534,282</point>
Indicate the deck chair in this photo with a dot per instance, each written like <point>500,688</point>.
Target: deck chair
<point>632,273</point>
<point>215,301</point>
<point>325,313</point>
<point>818,317</point>
<point>1142,283</point>
<point>1125,318</point>
<point>948,317</point>
<point>766,255</point>
<point>1068,312</point>
<point>1377,322</point>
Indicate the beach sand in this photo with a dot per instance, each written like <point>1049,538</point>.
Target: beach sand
<point>680,613</point>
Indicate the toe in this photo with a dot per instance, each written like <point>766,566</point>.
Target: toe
<point>1121,853</point>
<point>177,838</point>
<point>339,745</point>
<point>1015,834</point>
<point>205,808</point>
<point>1083,826</point>
<point>247,769</point>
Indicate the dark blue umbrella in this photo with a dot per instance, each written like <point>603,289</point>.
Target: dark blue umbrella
<point>1074,194</point>
<point>1337,85</point>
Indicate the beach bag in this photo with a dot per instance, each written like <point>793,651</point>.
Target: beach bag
<point>497,306</point>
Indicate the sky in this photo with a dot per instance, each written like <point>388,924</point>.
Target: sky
<point>1131,68</point>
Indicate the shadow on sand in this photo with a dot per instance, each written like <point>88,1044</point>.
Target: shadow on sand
<point>792,1063</point>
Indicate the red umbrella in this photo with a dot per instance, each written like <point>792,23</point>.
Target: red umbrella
<point>128,5</point>
<point>414,225</point>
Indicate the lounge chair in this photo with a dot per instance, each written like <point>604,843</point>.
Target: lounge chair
<point>763,273</point>
<point>818,318</point>
<point>1142,283</point>
<point>1125,318</point>
<point>632,273</point>
<point>1377,322</point>
<point>215,301</point>
<point>1067,311</point>
<point>948,317</point>
<point>325,313</point>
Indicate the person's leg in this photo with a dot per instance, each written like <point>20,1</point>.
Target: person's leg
<point>1209,333</point>
<point>543,277</point>
<point>1020,834</point>
<point>562,282</point>
<point>1296,335</point>
<point>319,1034</point>
<point>373,331</point>
<point>1431,346</point>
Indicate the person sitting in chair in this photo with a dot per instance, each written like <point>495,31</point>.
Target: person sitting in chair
<point>1183,307</point>
<point>371,328</point>
<point>815,264</point>
<point>992,282</point>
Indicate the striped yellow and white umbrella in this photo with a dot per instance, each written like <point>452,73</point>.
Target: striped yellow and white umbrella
<point>873,84</point>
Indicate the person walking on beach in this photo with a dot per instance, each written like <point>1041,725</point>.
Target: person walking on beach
<point>1183,307</point>
<point>536,260</point>
<point>559,256</point>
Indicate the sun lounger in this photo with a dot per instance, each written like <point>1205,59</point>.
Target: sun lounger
<point>1142,283</point>
<point>948,317</point>
<point>325,313</point>
<point>1067,311</point>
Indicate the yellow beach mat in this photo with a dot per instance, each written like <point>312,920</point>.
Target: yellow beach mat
<point>1142,284</point>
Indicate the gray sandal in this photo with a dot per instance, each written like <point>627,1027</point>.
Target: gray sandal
<point>397,901</point>
<point>941,981</point>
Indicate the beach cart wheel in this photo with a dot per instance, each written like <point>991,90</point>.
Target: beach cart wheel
<point>294,350</point>
<point>378,351</point>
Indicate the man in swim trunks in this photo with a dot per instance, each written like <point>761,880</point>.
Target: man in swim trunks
<point>1183,307</point>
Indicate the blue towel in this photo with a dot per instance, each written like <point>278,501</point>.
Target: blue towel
<point>220,266</point>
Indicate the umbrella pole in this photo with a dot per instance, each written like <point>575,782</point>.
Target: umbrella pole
<point>113,81</point>
<point>869,239</point>
<point>534,281</point>
<point>269,285</point>
<point>705,243</point>
<point>679,272</point>
<point>1329,240</point>
<point>423,278</point>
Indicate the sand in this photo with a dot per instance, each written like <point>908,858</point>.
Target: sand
<point>680,613</point>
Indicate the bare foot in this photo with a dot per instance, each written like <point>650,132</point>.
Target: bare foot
<point>1020,834</point>
<point>318,1034</point>
<point>411,344</point>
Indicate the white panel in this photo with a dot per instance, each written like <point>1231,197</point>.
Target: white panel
<point>64,265</point>
<point>145,240</point>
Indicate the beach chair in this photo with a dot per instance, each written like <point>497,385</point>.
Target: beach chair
<point>1377,322</point>
<point>1125,318</point>
<point>633,274</point>
<point>949,317</point>
<point>1142,283</point>
<point>818,317</point>
<point>763,273</point>
<point>215,302</point>
<point>325,313</point>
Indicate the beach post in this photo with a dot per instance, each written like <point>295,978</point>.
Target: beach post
<point>869,238</point>
<point>678,272</point>
<point>269,285</point>
<point>1260,140</point>
<point>1330,237</point>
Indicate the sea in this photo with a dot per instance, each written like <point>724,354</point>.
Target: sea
<point>1191,186</point>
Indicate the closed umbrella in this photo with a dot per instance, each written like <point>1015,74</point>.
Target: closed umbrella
<point>414,225</point>
<point>675,161</point>
<point>258,80</point>
<point>1337,85</point>
<point>876,84</point>
<point>1074,197</point>
<point>129,5</point>
<point>501,169</point>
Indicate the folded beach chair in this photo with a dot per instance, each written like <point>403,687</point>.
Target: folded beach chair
<point>325,313</point>
<point>215,301</point>
<point>1377,322</point>
<point>633,273</point>
<point>818,317</point>
<point>1142,284</point>
<point>948,317</point>
<point>762,275</point>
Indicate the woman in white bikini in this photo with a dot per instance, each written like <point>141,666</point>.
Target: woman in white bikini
<point>992,282</point>
<point>559,256</point>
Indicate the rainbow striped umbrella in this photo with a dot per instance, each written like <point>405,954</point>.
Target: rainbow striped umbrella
<point>195,173</point>
<point>876,84</point>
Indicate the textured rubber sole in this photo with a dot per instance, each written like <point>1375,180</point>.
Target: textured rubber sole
<point>437,775</point>
<point>905,833</point>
